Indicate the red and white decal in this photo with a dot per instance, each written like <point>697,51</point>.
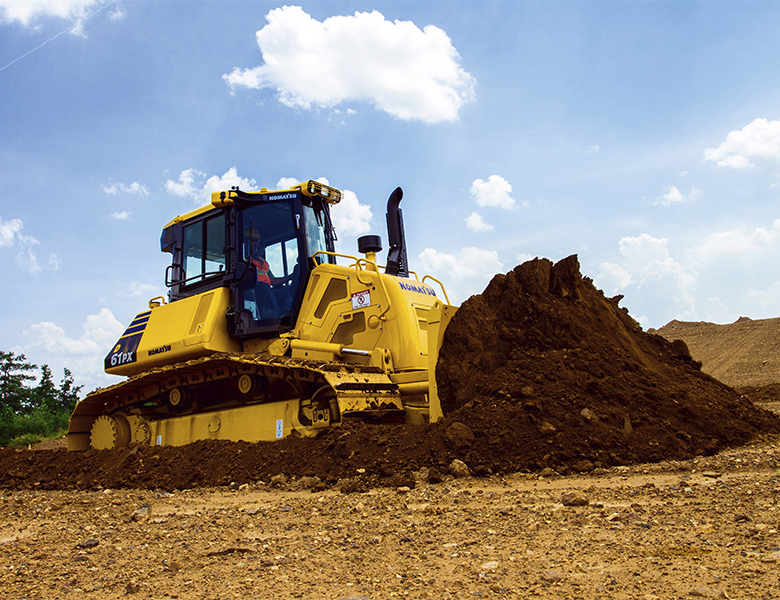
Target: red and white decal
<point>361,299</point>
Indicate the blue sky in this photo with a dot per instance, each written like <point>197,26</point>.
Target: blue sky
<point>642,136</point>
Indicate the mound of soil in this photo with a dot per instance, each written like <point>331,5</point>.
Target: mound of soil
<point>540,371</point>
<point>743,354</point>
<point>550,373</point>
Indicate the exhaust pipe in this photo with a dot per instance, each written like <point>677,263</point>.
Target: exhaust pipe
<point>396,256</point>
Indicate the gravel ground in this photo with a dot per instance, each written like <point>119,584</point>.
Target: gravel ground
<point>706,527</point>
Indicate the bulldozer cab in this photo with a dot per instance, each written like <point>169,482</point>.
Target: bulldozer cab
<point>279,239</point>
<point>261,245</point>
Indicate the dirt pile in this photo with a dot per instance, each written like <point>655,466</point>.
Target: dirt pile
<point>540,371</point>
<point>548,372</point>
<point>742,354</point>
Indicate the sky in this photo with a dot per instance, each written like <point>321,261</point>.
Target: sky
<point>642,136</point>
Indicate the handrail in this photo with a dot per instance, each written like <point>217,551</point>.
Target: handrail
<point>153,303</point>
<point>441,285</point>
<point>362,260</point>
<point>329,253</point>
<point>187,281</point>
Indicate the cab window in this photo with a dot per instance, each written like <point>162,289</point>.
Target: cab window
<point>204,249</point>
<point>316,236</point>
<point>282,256</point>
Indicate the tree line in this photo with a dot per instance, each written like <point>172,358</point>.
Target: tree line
<point>32,411</point>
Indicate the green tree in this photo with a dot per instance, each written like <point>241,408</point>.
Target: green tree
<point>31,413</point>
<point>45,394</point>
<point>68,393</point>
<point>14,375</point>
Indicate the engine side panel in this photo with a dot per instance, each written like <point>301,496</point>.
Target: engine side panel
<point>366,309</point>
<point>175,332</point>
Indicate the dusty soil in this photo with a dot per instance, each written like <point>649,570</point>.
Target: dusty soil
<point>706,527</point>
<point>745,353</point>
<point>580,457</point>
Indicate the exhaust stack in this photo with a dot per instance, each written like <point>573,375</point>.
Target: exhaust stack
<point>396,256</point>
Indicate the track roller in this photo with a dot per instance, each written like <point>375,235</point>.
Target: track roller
<point>246,384</point>
<point>178,397</point>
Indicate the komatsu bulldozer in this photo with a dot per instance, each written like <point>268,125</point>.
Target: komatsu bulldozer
<point>263,335</point>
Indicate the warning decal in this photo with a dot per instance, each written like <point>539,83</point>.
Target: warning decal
<point>361,299</point>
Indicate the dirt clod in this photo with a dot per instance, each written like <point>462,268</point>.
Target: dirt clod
<point>576,498</point>
<point>459,469</point>
<point>459,435</point>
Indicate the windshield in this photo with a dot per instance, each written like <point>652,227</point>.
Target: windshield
<point>269,249</point>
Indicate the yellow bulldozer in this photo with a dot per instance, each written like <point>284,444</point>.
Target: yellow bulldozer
<point>263,335</point>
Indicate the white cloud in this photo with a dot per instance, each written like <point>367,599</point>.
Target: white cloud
<point>757,140</point>
<point>121,216</point>
<point>10,231</point>
<point>405,71</point>
<point>134,188</point>
<point>740,244</point>
<point>612,278</point>
<point>524,257</point>
<point>187,184</point>
<point>26,11</point>
<point>143,289</point>
<point>716,311</point>
<point>350,217</point>
<point>192,183</point>
<point>475,222</point>
<point>672,195</point>
<point>285,183</point>
<point>117,14</point>
<point>707,279</point>
<point>643,249</point>
<point>341,116</point>
<point>464,274</point>
<point>26,257</point>
<point>656,281</point>
<point>493,192</point>
<point>765,301</point>
<point>48,343</point>
<point>225,182</point>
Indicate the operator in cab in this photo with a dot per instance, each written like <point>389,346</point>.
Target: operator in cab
<point>264,274</point>
<point>270,300</point>
<point>262,266</point>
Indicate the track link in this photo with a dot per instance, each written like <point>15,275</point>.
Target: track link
<point>157,405</point>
